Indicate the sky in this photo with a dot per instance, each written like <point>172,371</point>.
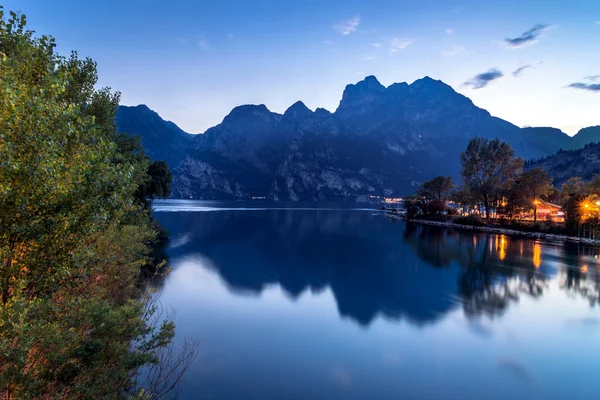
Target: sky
<point>531,62</point>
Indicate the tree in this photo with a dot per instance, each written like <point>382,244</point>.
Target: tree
<point>463,197</point>
<point>159,181</point>
<point>413,205</point>
<point>437,189</point>
<point>535,184</point>
<point>435,193</point>
<point>488,166</point>
<point>73,321</point>
<point>572,196</point>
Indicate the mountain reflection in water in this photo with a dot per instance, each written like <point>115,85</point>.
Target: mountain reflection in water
<point>347,304</point>
<point>374,266</point>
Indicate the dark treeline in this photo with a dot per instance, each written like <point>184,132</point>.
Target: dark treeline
<point>75,233</point>
<point>496,185</point>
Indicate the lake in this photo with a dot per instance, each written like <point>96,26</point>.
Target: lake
<point>330,301</point>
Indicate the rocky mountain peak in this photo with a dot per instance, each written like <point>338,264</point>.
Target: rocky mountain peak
<point>249,111</point>
<point>357,97</point>
<point>298,110</point>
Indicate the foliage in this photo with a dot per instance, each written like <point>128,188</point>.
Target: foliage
<point>464,197</point>
<point>534,184</point>
<point>413,206</point>
<point>73,235</point>
<point>489,166</point>
<point>437,189</point>
<point>472,220</point>
<point>434,194</point>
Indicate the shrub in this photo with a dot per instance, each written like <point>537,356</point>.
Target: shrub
<point>472,220</point>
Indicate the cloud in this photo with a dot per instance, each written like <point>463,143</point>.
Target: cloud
<point>349,26</point>
<point>397,44</point>
<point>455,50</point>
<point>528,37</point>
<point>519,71</point>
<point>449,31</point>
<point>591,87</point>
<point>480,81</point>
<point>376,45</point>
<point>369,58</point>
<point>326,41</point>
<point>592,78</point>
<point>230,35</point>
<point>597,22</point>
<point>182,40</point>
<point>203,42</point>
<point>179,241</point>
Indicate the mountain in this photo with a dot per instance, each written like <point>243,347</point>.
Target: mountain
<point>381,141</point>
<point>585,136</point>
<point>162,140</point>
<point>549,140</point>
<point>584,162</point>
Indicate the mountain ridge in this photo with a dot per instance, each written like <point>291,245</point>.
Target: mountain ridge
<point>380,141</point>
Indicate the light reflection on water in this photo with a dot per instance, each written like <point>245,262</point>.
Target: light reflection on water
<point>325,304</point>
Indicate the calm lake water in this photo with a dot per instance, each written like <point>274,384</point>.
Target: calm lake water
<point>343,303</point>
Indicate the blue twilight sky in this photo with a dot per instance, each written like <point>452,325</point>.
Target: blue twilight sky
<point>193,61</point>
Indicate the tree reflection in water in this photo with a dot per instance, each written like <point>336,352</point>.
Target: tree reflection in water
<point>373,267</point>
<point>496,269</point>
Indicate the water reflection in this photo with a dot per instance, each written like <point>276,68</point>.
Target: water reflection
<point>374,267</point>
<point>368,271</point>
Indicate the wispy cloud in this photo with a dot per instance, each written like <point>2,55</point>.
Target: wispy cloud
<point>528,37</point>
<point>202,42</point>
<point>480,81</point>
<point>376,45</point>
<point>346,28</point>
<point>326,41</point>
<point>597,22</point>
<point>591,87</point>
<point>397,44</point>
<point>369,58</point>
<point>182,40</point>
<point>455,50</point>
<point>449,31</point>
<point>519,71</point>
<point>230,35</point>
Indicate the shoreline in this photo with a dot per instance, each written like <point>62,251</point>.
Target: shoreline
<point>504,231</point>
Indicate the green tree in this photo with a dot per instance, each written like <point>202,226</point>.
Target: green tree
<point>535,184</point>
<point>488,166</point>
<point>73,237</point>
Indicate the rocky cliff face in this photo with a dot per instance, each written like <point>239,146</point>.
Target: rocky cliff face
<point>584,162</point>
<point>380,141</point>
